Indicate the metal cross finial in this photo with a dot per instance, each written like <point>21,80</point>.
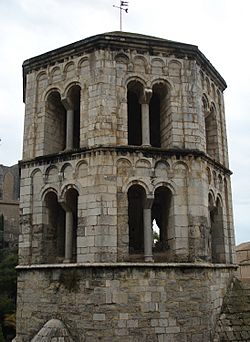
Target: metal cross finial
<point>121,7</point>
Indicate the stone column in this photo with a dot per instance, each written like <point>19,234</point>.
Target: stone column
<point>68,236</point>
<point>148,232</point>
<point>144,101</point>
<point>70,129</point>
<point>69,123</point>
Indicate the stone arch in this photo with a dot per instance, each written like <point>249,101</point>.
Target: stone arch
<point>42,81</point>
<point>208,87</point>
<point>147,186</point>
<point>121,57</point>
<point>162,168</point>
<point>122,61</point>
<point>143,163</point>
<point>211,198</point>
<point>53,331</point>
<point>157,66</point>
<point>220,182</point>
<point>69,70</point>
<point>83,63</point>
<point>201,73</point>
<point>56,74</point>
<point>46,190</point>
<point>209,175</point>
<point>166,184</point>
<point>181,167</point>
<point>81,169</point>
<point>67,171</point>
<point>51,174</point>
<point>140,64</point>
<point>174,67</point>
<point>211,133</point>
<point>205,104</point>
<point>124,167</point>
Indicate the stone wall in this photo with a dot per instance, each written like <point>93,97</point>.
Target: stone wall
<point>9,205</point>
<point>102,178</point>
<point>122,302</point>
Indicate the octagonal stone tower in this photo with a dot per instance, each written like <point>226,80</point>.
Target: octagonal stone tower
<point>123,133</point>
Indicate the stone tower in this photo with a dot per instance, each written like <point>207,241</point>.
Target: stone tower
<point>124,132</point>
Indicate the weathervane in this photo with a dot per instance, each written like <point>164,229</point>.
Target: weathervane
<point>122,6</point>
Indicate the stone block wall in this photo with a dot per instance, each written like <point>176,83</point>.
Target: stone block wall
<point>9,205</point>
<point>102,178</point>
<point>119,302</point>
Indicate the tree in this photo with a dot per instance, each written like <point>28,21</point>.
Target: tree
<point>8,261</point>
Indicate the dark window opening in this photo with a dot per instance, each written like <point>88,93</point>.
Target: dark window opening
<point>134,120</point>
<point>217,233</point>
<point>136,198</point>
<point>154,120</point>
<point>54,241</point>
<point>161,214</point>
<point>55,124</point>
<point>134,92</point>
<point>72,204</point>
<point>75,99</point>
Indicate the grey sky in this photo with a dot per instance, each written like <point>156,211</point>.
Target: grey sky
<point>219,27</point>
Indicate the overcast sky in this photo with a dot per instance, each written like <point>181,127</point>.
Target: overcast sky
<point>220,28</point>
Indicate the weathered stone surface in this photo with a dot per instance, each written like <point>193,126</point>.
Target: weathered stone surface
<point>53,331</point>
<point>123,131</point>
<point>133,302</point>
<point>234,321</point>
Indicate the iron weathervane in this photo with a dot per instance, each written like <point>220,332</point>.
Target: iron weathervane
<point>123,7</point>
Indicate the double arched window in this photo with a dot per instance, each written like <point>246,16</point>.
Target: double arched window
<point>147,114</point>
<point>62,121</point>
<point>142,214</point>
<point>60,227</point>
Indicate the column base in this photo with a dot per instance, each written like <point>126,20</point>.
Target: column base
<point>148,258</point>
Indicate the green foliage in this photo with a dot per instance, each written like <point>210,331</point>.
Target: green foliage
<point>8,280</point>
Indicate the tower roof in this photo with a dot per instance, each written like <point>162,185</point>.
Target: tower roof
<point>118,40</point>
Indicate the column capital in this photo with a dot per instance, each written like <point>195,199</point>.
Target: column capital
<point>67,103</point>
<point>145,96</point>
<point>148,202</point>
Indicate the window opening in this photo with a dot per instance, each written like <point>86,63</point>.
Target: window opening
<point>136,198</point>
<point>161,211</point>
<point>134,114</point>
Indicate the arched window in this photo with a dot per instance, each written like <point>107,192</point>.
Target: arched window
<point>162,213</point>
<point>71,208</point>
<point>136,199</point>
<point>134,91</point>
<point>157,114</point>
<point>54,232</point>
<point>211,133</point>
<point>217,231</point>
<point>61,227</point>
<point>55,124</point>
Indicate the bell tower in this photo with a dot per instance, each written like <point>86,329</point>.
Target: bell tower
<point>126,211</point>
